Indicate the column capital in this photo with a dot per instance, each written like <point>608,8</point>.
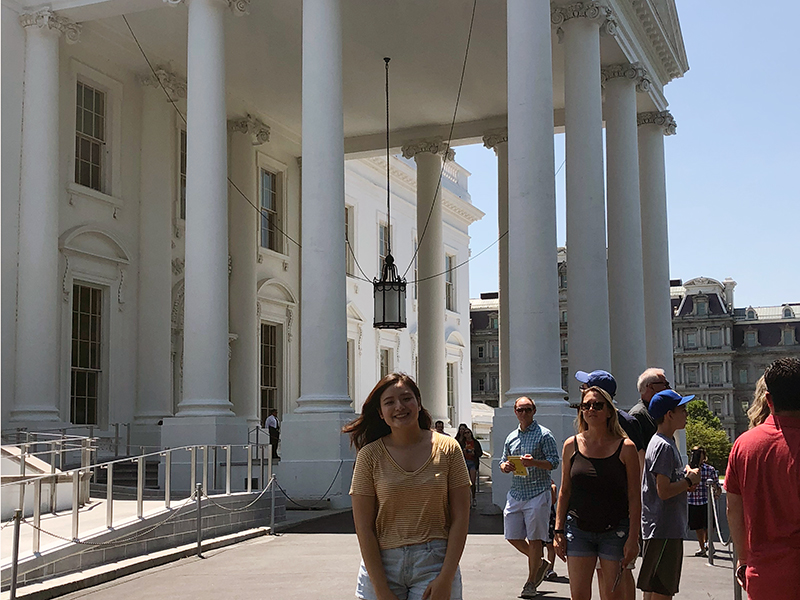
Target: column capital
<point>491,139</point>
<point>434,146</point>
<point>173,84</point>
<point>238,7</point>
<point>663,119</point>
<point>594,11</point>
<point>252,126</point>
<point>47,19</point>
<point>634,72</point>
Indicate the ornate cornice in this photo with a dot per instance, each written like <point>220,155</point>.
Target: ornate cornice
<point>659,40</point>
<point>239,7</point>
<point>492,138</point>
<point>593,11</point>
<point>251,126</point>
<point>47,18</point>
<point>663,119</point>
<point>635,72</point>
<point>173,84</point>
<point>434,146</point>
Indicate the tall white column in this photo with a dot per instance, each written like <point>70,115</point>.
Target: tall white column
<point>38,304</point>
<point>625,278</point>
<point>498,141</point>
<point>158,176</point>
<point>432,350</point>
<point>205,334</point>
<point>587,296</point>
<point>315,456</point>
<point>243,242</point>
<point>655,245</point>
<point>533,347</point>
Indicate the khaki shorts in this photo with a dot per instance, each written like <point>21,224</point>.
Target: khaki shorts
<point>661,566</point>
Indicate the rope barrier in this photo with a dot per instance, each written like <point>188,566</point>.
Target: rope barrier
<point>716,516</point>
<point>295,502</point>
<point>246,506</point>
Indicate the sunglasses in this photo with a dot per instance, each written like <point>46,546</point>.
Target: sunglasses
<point>527,409</point>
<point>593,405</point>
<point>664,383</point>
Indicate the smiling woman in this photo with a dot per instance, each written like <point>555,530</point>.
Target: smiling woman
<point>410,493</point>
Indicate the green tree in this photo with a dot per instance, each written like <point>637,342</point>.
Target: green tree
<point>704,429</point>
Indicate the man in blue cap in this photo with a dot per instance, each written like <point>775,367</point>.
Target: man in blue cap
<point>664,502</point>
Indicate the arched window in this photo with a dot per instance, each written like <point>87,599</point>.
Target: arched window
<point>751,314</point>
<point>787,313</point>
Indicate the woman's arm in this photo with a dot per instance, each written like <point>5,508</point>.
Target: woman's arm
<point>559,539</point>
<point>630,458</point>
<point>459,499</point>
<point>365,510</point>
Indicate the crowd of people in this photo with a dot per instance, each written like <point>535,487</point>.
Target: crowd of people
<point>626,492</point>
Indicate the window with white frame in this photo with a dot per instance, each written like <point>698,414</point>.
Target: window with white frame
<point>564,378</point>
<point>493,322</point>
<point>86,361</point>
<point>385,362</point>
<point>450,282</point>
<point>90,136</point>
<point>270,370</point>
<point>690,338</point>
<point>751,338</point>
<point>715,375</point>
<point>495,349</point>
<point>787,313</point>
<point>495,383</point>
<point>692,375</point>
<point>562,279</point>
<point>481,384</point>
<point>564,345</point>
<point>714,338</point>
<point>384,242</point>
<point>701,307</point>
<point>451,392</point>
<point>349,240</point>
<point>271,204</point>
<point>182,174</point>
<point>787,336</point>
<point>480,351</point>
<point>742,375</point>
<point>564,316</point>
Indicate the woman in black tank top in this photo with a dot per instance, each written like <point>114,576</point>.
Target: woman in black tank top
<point>599,503</point>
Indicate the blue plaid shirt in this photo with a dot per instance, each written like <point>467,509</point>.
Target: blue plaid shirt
<point>541,445</point>
<point>700,495</point>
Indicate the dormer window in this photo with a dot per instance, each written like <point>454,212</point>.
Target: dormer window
<point>787,313</point>
<point>701,307</point>
<point>751,314</point>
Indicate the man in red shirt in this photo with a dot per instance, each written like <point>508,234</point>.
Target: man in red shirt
<point>763,485</point>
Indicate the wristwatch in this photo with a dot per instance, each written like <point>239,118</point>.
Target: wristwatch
<point>689,481</point>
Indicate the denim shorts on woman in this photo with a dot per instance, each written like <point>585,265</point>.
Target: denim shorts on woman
<point>608,545</point>
<point>409,570</point>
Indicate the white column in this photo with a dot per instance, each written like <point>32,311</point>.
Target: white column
<point>38,304</point>
<point>246,135</point>
<point>625,279</point>
<point>205,335</point>
<point>498,141</point>
<point>533,348</point>
<point>158,178</point>
<point>655,245</point>
<point>587,296</point>
<point>431,345</point>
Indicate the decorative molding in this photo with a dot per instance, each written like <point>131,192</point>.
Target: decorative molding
<point>177,307</point>
<point>120,297</point>
<point>174,85</point>
<point>593,11</point>
<point>47,18</point>
<point>289,321</point>
<point>238,7</point>
<point>461,361</point>
<point>252,126</point>
<point>230,265</point>
<point>397,349</point>
<point>635,72</point>
<point>492,138</point>
<point>65,291</point>
<point>659,40</point>
<point>360,336</point>
<point>434,146</point>
<point>177,266</point>
<point>663,119</point>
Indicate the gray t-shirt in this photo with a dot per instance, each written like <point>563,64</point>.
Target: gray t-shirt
<point>662,519</point>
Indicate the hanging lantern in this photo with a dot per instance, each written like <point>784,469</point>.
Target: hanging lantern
<point>389,292</point>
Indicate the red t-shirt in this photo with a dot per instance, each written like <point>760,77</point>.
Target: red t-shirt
<point>764,468</point>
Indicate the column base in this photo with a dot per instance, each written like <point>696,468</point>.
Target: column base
<point>316,456</point>
<point>187,431</point>
<point>552,412</point>
<point>37,415</point>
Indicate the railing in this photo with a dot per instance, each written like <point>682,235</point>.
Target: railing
<point>116,443</point>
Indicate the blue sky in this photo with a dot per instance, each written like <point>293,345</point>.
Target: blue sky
<point>733,169</point>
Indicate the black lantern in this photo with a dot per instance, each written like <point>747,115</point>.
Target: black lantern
<point>389,291</point>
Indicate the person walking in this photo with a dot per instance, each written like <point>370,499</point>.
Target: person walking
<point>273,427</point>
<point>527,510</point>
<point>472,451</point>
<point>410,496</point>
<point>599,501</point>
<point>650,382</point>
<point>763,485</point>
<point>698,498</point>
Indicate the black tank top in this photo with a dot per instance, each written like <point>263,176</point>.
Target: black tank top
<point>599,498</point>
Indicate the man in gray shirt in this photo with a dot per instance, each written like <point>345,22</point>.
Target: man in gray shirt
<point>664,503</point>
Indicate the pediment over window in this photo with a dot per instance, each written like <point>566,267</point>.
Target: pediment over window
<point>455,338</point>
<point>353,312</point>
<point>276,290</point>
<point>93,242</point>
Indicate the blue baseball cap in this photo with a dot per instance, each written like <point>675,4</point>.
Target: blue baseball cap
<point>602,379</point>
<point>663,402</point>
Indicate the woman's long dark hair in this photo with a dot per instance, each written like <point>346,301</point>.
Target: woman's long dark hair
<point>369,426</point>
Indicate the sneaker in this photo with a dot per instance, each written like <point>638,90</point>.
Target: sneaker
<point>551,575</point>
<point>543,569</point>
<point>529,591</point>
<point>702,553</point>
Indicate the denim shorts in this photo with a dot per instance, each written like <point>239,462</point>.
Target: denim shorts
<point>409,570</point>
<point>608,545</point>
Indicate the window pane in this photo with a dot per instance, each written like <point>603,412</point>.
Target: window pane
<point>99,127</point>
<point>99,103</point>
<point>79,98</point>
<point>88,98</point>
<point>78,118</point>
<point>94,183</point>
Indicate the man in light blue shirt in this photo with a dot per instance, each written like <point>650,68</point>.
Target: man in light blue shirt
<point>527,513</point>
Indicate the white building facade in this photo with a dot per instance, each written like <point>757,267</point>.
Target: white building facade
<point>167,310</point>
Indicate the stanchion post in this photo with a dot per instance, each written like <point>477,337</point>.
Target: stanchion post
<point>249,468</point>
<point>198,490</point>
<point>205,468</point>
<point>76,482</point>
<point>37,513</point>
<point>15,553</point>
<point>110,495</point>
<point>193,467</point>
<point>22,463</point>
<point>261,464</point>
<point>167,477</point>
<point>116,440</point>
<point>272,505</point>
<point>127,439</point>
<point>140,487</point>
<point>711,521</point>
<point>228,470</point>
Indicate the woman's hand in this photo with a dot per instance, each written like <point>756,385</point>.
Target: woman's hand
<point>560,544</point>
<point>630,551</point>
<point>438,589</point>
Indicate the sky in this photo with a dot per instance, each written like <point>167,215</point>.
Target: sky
<point>733,169</point>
